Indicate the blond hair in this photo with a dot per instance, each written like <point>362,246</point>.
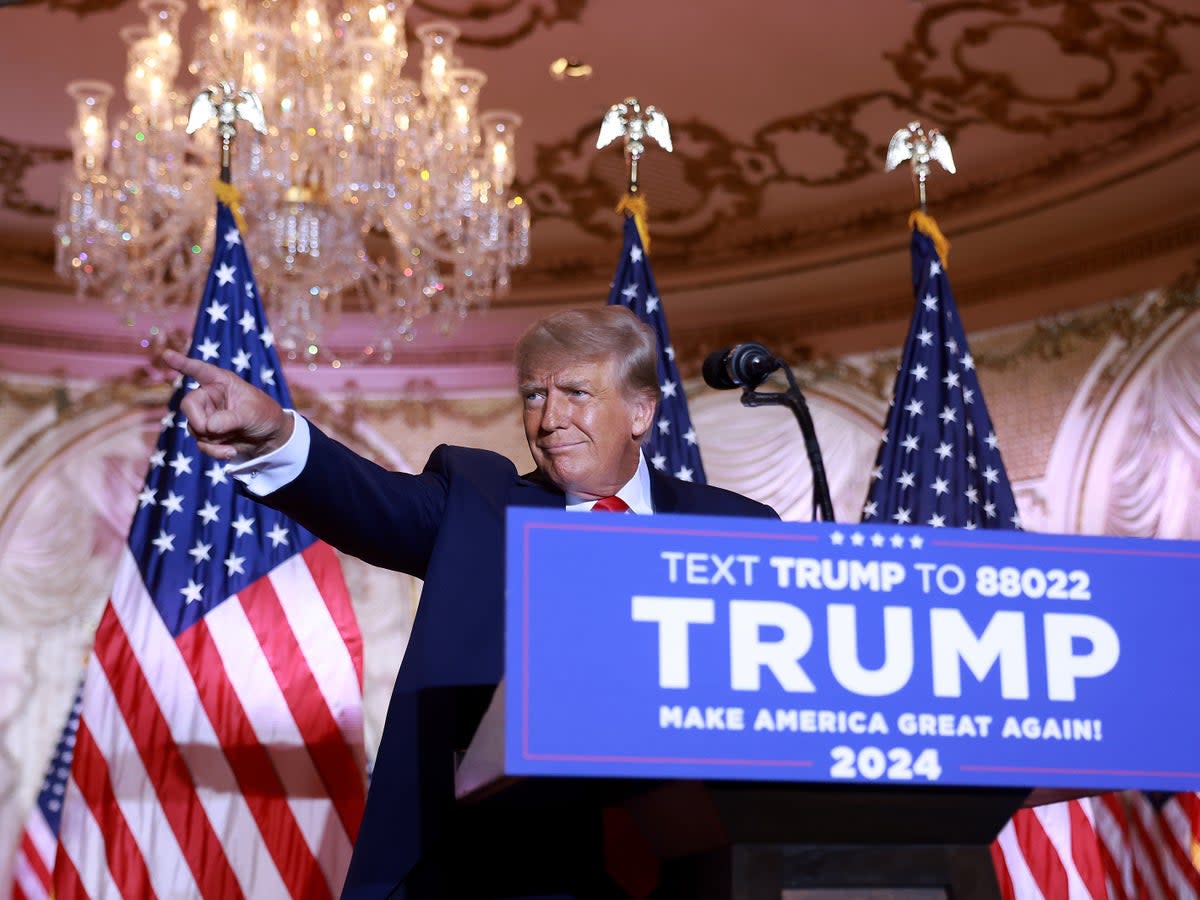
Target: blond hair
<point>590,334</point>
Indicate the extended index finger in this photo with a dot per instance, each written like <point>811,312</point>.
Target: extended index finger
<point>202,372</point>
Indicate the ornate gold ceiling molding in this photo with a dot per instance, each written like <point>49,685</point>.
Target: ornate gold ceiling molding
<point>1119,51</point>
<point>501,23</point>
<point>1130,321</point>
<point>952,71</point>
<point>16,161</point>
<point>716,227</point>
<point>791,336</point>
<point>1052,338</point>
<point>81,8</point>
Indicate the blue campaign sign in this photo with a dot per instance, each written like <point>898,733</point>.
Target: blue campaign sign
<point>692,647</point>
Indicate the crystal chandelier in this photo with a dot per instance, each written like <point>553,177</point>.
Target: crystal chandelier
<point>371,190</point>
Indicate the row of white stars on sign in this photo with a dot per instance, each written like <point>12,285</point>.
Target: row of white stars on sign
<point>858,539</point>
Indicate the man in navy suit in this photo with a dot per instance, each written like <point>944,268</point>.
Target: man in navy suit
<point>589,384</point>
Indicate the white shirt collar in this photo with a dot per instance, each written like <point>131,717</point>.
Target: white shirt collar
<point>635,493</point>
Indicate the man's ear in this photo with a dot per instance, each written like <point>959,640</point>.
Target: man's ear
<point>641,408</point>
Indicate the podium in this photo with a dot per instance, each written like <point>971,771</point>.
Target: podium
<point>728,840</point>
<point>823,712</point>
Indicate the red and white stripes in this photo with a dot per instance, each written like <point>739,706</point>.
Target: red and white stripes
<point>227,762</point>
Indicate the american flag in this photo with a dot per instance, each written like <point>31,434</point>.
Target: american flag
<point>672,447</point>
<point>939,464</point>
<point>1150,845</point>
<point>218,746</point>
<point>34,863</point>
<point>939,460</point>
<point>1180,818</point>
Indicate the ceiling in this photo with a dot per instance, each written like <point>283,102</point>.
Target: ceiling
<point>1075,127</point>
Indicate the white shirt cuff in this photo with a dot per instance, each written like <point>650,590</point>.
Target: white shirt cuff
<point>268,473</point>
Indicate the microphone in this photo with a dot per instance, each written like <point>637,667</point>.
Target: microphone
<point>742,365</point>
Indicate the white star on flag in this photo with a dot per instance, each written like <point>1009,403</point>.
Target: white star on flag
<point>216,311</point>
<point>181,463</point>
<point>192,591</point>
<point>209,349</point>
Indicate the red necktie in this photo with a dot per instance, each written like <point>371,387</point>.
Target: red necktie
<point>611,504</point>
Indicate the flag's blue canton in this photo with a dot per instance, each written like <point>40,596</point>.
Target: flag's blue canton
<point>197,540</point>
<point>939,463</point>
<point>672,447</point>
<point>50,797</point>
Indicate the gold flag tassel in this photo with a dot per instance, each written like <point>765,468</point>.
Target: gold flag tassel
<point>927,225</point>
<point>231,197</point>
<point>636,206</point>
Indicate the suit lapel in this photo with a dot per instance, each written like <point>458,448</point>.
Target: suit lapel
<point>664,494</point>
<point>533,490</point>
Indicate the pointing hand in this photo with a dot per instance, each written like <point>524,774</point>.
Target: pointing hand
<point>229,416</point>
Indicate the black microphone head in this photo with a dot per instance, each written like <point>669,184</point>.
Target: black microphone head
<point>749,364</point>
<point>716,371</point>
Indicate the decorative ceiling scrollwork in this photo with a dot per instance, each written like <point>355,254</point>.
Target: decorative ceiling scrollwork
<point>501,23</point>
<point>962,67</point>
<point>16,162</point>
<point>1076,119</point>
<point>81,8</point>
<point>1110,59</point>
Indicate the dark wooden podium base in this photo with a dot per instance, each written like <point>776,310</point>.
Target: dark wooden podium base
<point>737,841</point>
<point>750,841</point>
<point>832,872</point>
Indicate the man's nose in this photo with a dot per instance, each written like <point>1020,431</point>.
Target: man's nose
<point>553,413</point>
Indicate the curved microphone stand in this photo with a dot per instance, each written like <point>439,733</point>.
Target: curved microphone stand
<point>794,400</point>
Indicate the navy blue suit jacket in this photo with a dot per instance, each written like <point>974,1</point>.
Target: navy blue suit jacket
<point>446,526</point>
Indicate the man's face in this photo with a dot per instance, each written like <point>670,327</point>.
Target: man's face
<point>584,433</point>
